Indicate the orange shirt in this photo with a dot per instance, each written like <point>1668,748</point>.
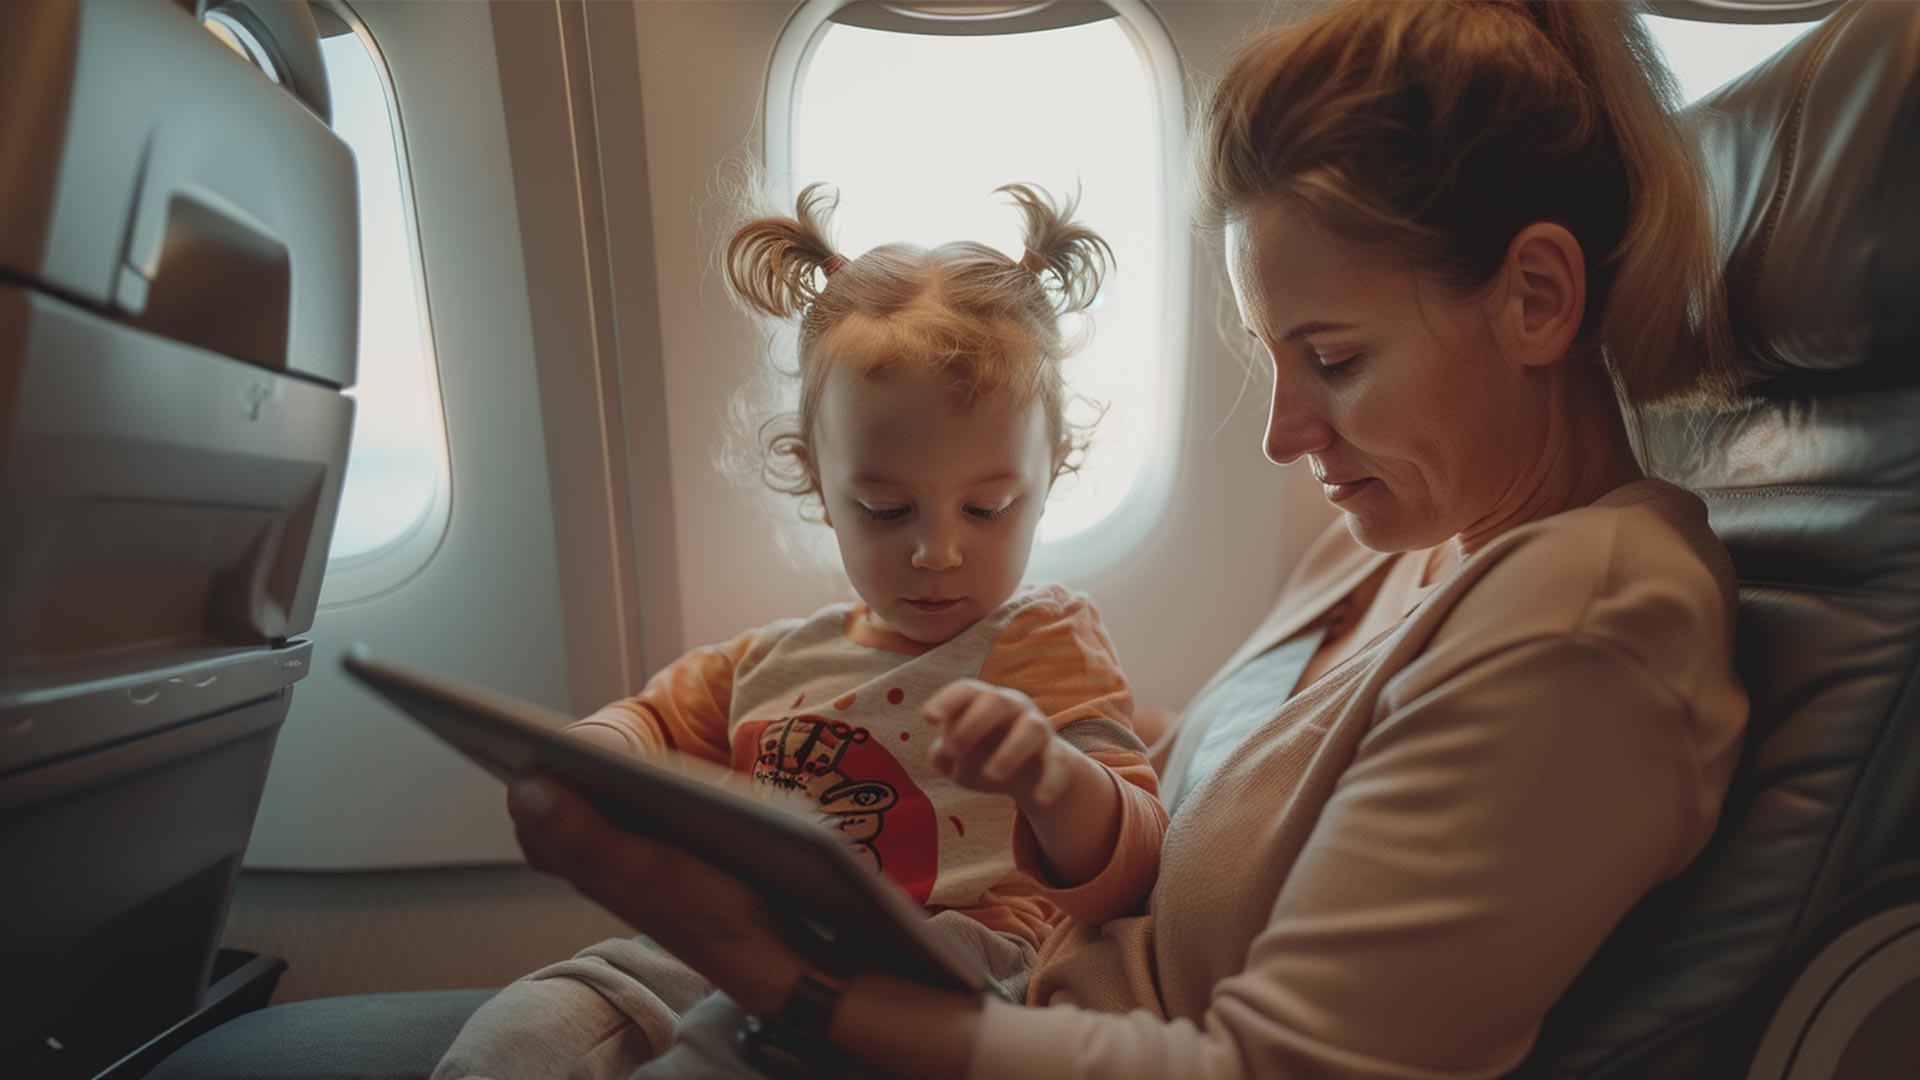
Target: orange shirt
<point>829,706</point>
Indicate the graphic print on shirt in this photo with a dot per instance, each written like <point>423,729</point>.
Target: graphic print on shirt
<point>864,794</point>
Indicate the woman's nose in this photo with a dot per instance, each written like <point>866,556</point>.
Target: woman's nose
<point>937,548</point>
<point>1296,423</point>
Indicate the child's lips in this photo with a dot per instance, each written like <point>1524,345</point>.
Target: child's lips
<point>932,604</point>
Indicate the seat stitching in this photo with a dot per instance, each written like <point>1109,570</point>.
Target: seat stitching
<point>1790,153</point>
<point>1768,491</point>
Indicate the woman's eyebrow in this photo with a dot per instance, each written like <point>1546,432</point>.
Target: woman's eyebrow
<point>1316,327</point>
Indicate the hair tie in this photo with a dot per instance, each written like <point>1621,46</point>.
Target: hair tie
<point>1034,261</point>
<point>832,264</point>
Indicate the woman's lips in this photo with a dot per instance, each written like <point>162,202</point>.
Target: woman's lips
<point>933,604</point>
<point>1341,492</point>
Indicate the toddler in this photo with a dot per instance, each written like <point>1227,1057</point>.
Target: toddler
<point>968,738</point>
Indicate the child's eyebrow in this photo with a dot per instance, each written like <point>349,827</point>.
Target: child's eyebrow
<point>996,478</point>
<point>888,481</point>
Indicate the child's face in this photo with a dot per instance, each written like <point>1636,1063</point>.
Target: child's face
<point>934,506</point>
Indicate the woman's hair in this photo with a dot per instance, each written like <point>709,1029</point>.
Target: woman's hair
<point>962,312</point>
<point>1441,130</point>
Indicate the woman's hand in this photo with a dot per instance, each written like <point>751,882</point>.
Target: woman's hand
<point>722,929</point>
<point>706,917</point>
<point>993,739</point>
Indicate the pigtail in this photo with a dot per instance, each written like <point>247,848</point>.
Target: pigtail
<point>1073,254</point>
<point>778,266</point>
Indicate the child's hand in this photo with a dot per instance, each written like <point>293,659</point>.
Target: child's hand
<point>994,739</point>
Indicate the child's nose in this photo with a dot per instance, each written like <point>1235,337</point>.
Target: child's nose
<point>937,549</point>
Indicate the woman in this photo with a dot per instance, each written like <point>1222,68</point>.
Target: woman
<point>1495,704</point>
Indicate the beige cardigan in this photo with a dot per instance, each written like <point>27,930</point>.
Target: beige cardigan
<point>1400,872</point>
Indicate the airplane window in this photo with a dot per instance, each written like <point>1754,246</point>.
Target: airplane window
<point>1705,56</point>
<point>917,129</point>
<point>396,464</point>
<point>235,35</point>
<point>396,468</point>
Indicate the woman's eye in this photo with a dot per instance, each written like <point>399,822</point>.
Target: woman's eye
<point>884,513</point>
<point>988,513</point>
<point>1335,360</point>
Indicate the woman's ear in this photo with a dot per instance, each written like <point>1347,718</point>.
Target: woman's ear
<point>1545,297</point>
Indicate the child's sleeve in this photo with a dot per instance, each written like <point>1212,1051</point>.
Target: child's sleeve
<point>1056,652</point>
<point>685,707</point>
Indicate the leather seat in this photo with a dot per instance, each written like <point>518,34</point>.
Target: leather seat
<point>1742,965</point>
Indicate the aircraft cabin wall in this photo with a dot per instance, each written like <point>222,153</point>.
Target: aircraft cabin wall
<point>563,162</point>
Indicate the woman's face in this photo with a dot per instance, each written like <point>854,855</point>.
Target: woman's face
<point>1389,384</point>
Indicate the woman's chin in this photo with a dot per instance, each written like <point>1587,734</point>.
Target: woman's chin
<point>1385,532</point>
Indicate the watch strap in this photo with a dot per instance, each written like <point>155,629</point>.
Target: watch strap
<point>811,1006</point>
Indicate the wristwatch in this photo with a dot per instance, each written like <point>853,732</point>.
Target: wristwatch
<point>811,1005</point>
<point>792,1044</point>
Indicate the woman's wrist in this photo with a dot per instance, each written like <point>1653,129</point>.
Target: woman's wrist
<point>766,984</point>
<point>904,1028</point>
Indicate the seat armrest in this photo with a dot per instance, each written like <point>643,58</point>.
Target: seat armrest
<point>397,1036</point>
<point>1853,1012</point>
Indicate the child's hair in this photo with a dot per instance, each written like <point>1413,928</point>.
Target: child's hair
<point>1444,129</point>
<point>962,312</point>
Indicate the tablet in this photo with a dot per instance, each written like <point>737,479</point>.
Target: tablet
<point>862,918</point>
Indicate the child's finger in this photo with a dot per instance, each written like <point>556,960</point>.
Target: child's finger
<point>980,724</point>
<point>951,700</point>
<point>1021,743</point>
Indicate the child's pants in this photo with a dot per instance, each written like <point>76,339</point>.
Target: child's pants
<point>617,1007</point>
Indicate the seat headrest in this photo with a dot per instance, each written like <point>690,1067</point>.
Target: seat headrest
<point>1814,157</point>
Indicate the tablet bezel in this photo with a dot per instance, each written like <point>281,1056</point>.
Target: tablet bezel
<point>863,921</point>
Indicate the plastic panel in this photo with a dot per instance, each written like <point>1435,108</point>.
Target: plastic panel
<point>131,855</point>
<point>152,498</point>
<point>241,236</point>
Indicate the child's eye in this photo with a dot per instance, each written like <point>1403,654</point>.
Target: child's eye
<point>883,513</point>
<point>989,513</point>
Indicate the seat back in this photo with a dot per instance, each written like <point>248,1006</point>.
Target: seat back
<point>178,318</point>
<point>1814,485</point>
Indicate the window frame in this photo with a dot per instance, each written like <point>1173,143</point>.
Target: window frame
<point>370,574</point>
<point>1744,11</point>
<point>1127,527</point>
<point>239,37</point>
<point>1656,20</point>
